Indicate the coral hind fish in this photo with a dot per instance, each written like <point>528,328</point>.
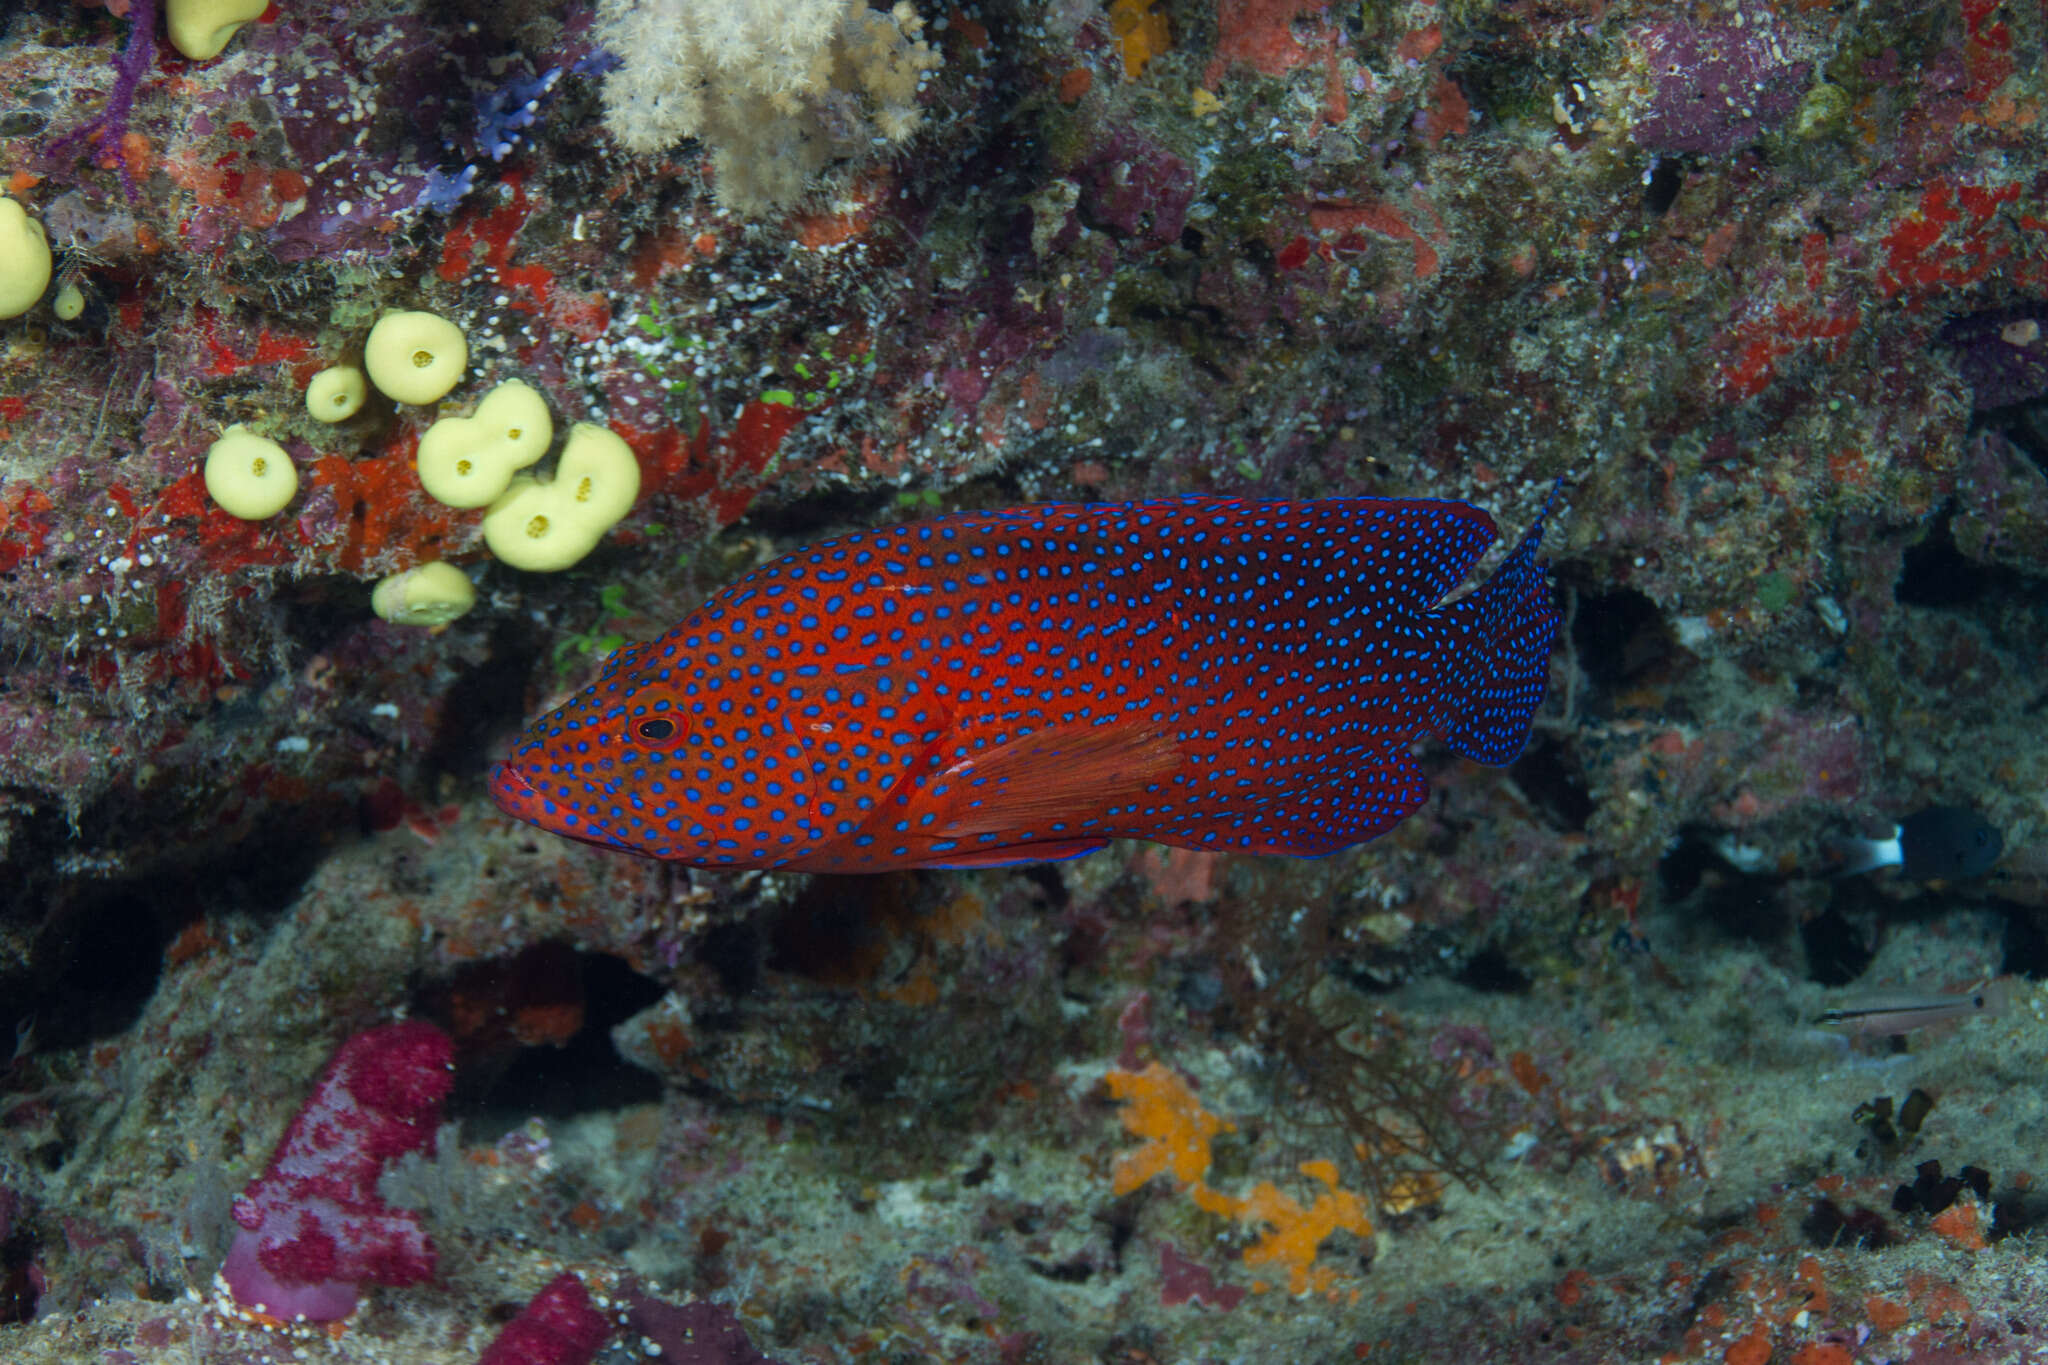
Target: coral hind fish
<point>1022,685</point>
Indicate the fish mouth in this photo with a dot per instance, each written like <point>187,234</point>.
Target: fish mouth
<point>519,798</point>
<point>514,794</point>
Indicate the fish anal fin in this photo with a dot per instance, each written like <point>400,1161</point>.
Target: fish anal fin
<point>1049,781</point>
<point>1346,807</point>
<point>1014,854</point>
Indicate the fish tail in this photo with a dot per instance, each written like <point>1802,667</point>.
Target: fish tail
<point>1497,659</point>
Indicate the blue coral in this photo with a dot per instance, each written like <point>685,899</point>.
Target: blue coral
<point>443,192</point>
<point>504,115</point>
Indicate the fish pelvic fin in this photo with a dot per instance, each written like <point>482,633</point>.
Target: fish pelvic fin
<point>1495,656</point>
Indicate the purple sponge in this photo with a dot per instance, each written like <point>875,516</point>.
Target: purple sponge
<point>1718,87</point>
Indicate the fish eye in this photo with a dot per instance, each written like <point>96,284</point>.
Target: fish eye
<point>657,728</point>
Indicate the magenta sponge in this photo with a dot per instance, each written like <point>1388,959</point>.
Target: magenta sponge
<point>314,1228</point>
<point>559,1326</point>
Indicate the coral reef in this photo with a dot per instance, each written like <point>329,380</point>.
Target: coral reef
<point>1557,1069</point>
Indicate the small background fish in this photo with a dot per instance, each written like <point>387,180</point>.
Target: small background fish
<point>1940,843</point>
<point>1884,1013</point>
<point>1011,686</point>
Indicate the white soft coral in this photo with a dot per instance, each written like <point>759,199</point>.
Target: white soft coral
<point>776,90</point>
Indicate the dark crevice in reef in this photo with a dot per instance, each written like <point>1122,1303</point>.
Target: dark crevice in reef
<point>1746,907</point>
<point>1936,574</point>
<point>733,953</point>
<point>820,514</point>
<point>840,929</point>
<point>534,1037</point>
<point>1683,867</point>
<point>486,705</point>
<point>2026,943</point>
<point>1620,639</point>
<point>1838,941</point>
<point>1662,184</point>
<point>100,937</point>
<point>2024,425</point>
<point>99,959</point>
<point>1739,904</point>
<point>139,865</point>
<point>1837,950</point>
<point>2009,606</point>
<point>318,614</point>
<point>20,1280</point>
<point>1492,972</point>
<point>1550,775</point>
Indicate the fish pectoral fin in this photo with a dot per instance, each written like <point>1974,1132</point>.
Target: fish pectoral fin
<point>1050,781</point>
<point>1017,853</point>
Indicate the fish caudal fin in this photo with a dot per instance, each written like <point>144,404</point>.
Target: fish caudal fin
<point>1496,656</point>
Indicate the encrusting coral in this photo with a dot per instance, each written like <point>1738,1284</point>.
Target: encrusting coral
<point>1160,1107</point>
<point>776,91</point>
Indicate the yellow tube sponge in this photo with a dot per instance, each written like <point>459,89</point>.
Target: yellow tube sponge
<point>430,595</point>
<point>201,28</point>
<point>336,393</point>
<point>546,526</point>
<point>470,461</point>
<point>24,260</point>
<point>415,357</point>
<point>250,476</point>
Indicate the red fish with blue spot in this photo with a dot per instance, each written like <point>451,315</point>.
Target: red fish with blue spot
<point>1023,685</point>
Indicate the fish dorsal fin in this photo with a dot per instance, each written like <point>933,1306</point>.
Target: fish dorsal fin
<point>625,657</point>
<point>1412,551</point>
<point>1404,552</point>
<point>1051,781</point>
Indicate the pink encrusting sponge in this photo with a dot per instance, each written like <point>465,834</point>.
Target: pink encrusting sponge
<point>314,1228</point>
